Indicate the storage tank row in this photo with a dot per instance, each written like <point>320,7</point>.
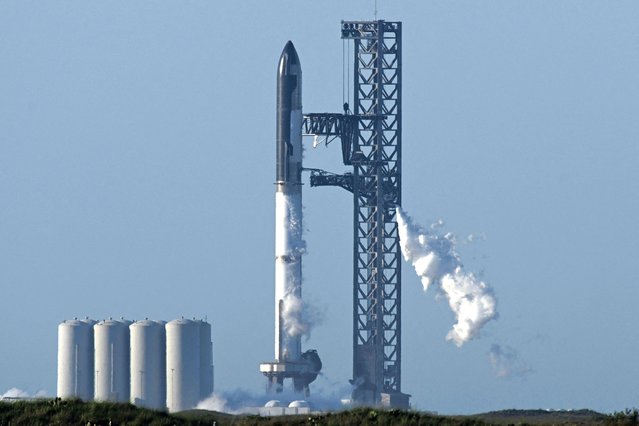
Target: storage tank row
<point>149,363</point>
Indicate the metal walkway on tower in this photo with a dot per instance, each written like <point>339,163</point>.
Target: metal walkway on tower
<point>371,144</point>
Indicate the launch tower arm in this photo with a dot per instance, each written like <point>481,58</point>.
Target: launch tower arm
<point>332,126</point>
<point>324,178</point>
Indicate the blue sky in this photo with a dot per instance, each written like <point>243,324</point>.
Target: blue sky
<point>137,165</point>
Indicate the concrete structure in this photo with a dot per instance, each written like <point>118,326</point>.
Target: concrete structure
<point>276,408</point>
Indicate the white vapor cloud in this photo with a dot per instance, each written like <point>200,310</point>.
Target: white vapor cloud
<point>506,362</point>
<point>300,316</point>
<point>436,261</point>
<point>241,401</point>
<point>216,402</point>
<point>15,393</point>
<point>19,393</point>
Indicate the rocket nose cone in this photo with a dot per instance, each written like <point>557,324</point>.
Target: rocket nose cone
<point>289,61</point>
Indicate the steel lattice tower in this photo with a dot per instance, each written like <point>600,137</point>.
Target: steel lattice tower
<point>371,143</point>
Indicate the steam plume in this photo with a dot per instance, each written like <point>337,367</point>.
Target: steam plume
<point>433,255</point>
<point>298,316</point>
<point>216,402</point>
<point>506,362</point>
<point>242,401</point>
<point>14,393</point>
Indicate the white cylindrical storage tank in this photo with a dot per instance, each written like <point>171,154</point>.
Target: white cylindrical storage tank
<point>206,360</point>
<point>182,364</point>
<point>112,355</point>
<point>148,364</point>
<point>75,359</point>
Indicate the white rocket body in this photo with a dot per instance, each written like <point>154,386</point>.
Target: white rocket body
<point>289,245</point>
<point>290,362</point>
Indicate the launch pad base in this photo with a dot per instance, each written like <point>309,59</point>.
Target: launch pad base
<point>395,400</point>
<point>287,369</point>
<point>302,372</point>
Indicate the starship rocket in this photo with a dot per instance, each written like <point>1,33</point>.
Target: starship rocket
<point>289,244</point>
<point>290,362</point>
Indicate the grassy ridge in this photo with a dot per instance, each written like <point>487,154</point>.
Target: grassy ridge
<point>76,412</point>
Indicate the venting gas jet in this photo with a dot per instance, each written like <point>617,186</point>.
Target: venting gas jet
<point>289,362</point>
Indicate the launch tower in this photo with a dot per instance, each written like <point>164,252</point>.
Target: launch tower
<point>371,135</point>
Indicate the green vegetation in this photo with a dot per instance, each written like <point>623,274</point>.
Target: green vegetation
<point>624,418</point>
<point>356,417</point>
<point>76,412</point>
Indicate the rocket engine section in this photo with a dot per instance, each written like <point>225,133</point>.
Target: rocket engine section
<point>315,363</point>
